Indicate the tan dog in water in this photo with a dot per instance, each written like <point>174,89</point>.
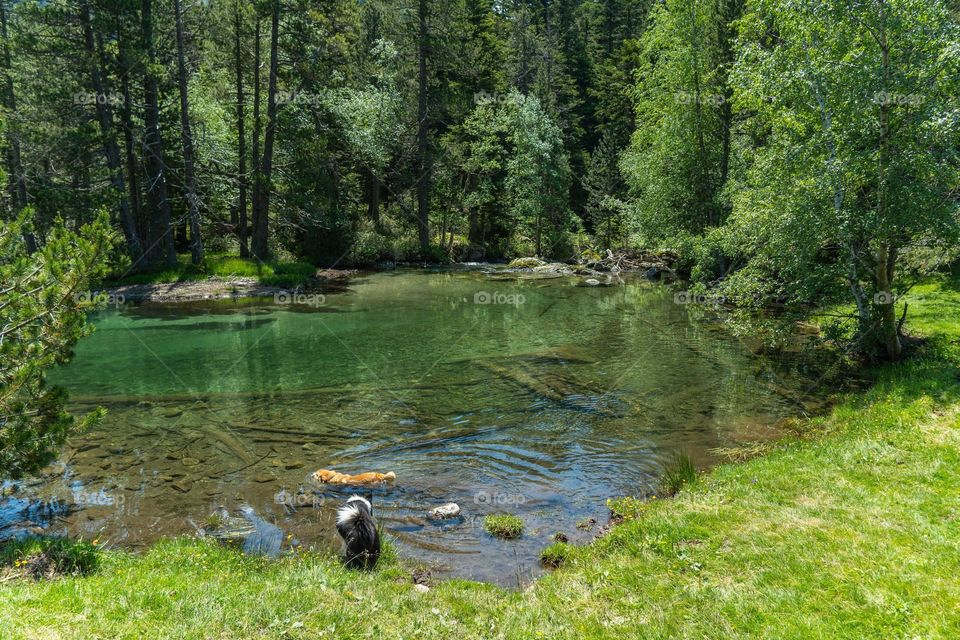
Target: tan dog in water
<point>328,476</point>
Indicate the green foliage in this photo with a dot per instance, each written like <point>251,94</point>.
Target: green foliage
<point>503,525</point>
<point>511,151</point>
<point>371,117</point>
<point>789,176</point>
<point>606,208</point>
<point>857,161</point>
<point>43,304</point>
<point>538,180</point>
<point>679,158</point>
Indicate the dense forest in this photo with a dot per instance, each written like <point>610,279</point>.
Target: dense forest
<point>791,153</point>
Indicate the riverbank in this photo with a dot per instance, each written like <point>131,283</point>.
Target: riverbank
<point>847,529</point>
<point>218,268</point>
<point>224,276</point>
<point>220,277</point>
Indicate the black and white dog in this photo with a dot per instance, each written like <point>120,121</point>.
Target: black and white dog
<point>359,531</point>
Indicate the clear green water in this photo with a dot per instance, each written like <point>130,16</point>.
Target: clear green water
<point>545,408</point>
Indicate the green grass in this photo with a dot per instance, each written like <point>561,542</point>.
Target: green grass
<point>31,556</point>
<point>555,555</point>
<point>847,530</point>
<point>503,525</point>
<point>678,472</point>
<point>276,274</point>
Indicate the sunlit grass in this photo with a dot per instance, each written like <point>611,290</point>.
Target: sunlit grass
<point>278,274</point>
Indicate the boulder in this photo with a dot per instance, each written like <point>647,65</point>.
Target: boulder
<point>526,263</point>
<point>554,268</point>
<point>445,511</point>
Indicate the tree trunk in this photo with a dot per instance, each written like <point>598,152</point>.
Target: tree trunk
<point>162,247</point>
<point>523,73</point>
<point>257,126</point>
<point>129,143</point>
<point>539,246</point>
<point>261,228</point>
<point>423,134</point>
<point>373,198</point>
<point>105,120</point>
<point>186,136</point>
<point>241,142</point>
<point>886,257</point>
<point>887,331</point>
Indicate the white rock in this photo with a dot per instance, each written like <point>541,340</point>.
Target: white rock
<point>422,588</point>
<point>449,510</point>
<point>592,282</point>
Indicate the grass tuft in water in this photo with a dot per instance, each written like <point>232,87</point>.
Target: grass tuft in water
<point>555,555</point>
<point>678,472</point>
<point>503,525</point>
<point>214,521</point>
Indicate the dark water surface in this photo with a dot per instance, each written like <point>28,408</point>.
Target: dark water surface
<point>542,398</point>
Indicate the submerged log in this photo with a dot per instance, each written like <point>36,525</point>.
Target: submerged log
<point>558,388</point>
<point>230,441</point>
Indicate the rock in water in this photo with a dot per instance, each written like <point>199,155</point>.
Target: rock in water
<point>526,263</point>
<point>444,511</point>
<point>593,282</point>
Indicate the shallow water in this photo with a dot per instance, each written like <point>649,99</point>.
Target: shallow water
<point>537,397</point>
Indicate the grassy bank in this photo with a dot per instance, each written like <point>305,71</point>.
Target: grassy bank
<point>851,529</point>
<point>272,273</point>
